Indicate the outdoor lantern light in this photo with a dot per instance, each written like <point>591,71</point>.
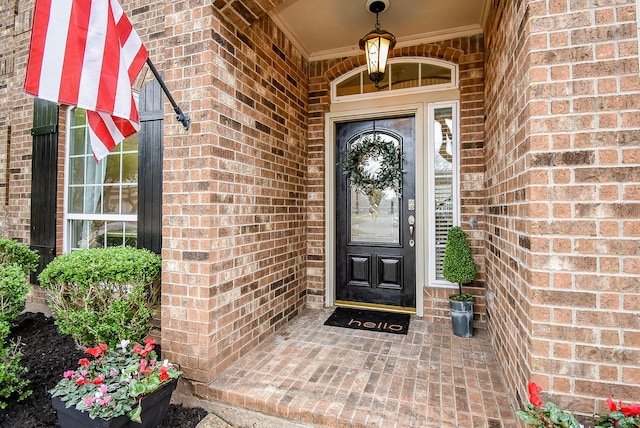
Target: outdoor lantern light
<point>377,44</point>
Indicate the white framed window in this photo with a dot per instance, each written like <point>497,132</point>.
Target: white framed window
<point>403,75</point>
<point>443,201</point>
<point>101,198</point>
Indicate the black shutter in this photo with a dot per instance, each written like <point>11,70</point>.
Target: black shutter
<point>150,147</point>
<point>44,170</point>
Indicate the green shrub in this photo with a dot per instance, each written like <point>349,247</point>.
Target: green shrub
<point>458,265</point>
<point>13,291</point>
<point>20,254</point>
<point>11,372</point>
<point>103,295</point>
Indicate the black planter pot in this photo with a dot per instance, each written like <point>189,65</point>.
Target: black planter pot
<point>462,318</point>
<point>154,408</point>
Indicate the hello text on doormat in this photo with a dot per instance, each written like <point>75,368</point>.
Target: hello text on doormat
<point>362,319</point>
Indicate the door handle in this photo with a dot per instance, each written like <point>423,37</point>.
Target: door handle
<point>412,221</point>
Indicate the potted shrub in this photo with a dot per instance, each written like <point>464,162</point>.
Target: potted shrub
<point>126,386</point>
<point>459,267</point>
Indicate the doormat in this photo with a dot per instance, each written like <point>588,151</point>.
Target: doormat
<point>362,319</point>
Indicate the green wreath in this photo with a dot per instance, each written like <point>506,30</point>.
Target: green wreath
<point>388,176</point>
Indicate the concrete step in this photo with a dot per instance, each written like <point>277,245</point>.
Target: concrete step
<point>222,415</point>
<point>225,416</point>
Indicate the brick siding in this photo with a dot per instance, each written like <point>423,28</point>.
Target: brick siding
<point>562,156</point>
<point>549,123</point>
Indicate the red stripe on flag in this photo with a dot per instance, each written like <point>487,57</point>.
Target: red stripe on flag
<point>74,52</point>
<point>125,30</point>
<point>110,67</point>
<point>134,111</point>
<point>100,128</point>
<point>36,52</point>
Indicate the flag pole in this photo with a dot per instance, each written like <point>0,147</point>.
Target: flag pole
<point>186,121</point>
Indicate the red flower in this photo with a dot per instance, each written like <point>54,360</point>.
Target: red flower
<point>163,374</point>
<point>534,398</point>
<point>149,341</point>
<point>632,410</point>
<point>612,405</point>
<point>98,380</point>
<point>82,381</point>
<point>84,362</point>
<point>97,351</point>
<point>534,388</point>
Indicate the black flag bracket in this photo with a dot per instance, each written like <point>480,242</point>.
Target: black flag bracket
<point>186,121</point>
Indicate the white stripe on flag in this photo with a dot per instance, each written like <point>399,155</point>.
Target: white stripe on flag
<point>122,105</point>
<point>94,55</point>
<point>52,58</point>
<point>99,149</point>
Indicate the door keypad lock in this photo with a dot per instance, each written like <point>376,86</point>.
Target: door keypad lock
<point>412,221</point>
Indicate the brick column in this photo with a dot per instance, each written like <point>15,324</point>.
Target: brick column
<point>190,212</point>
<point>563,156</point>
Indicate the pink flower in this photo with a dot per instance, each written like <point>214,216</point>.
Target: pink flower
<point>103,389</point>
<point>89,401</point>
<point>112,372</point>
<point>105,400</point>
<point>143,367</point>
<point>148,347</point>
<point>69,374</point>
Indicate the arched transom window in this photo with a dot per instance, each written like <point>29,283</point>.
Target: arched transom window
<point>408,75</point>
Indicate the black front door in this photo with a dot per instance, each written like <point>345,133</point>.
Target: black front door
<point>375,234</point>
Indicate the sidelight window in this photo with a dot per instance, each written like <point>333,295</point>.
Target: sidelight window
<point>444,163</point>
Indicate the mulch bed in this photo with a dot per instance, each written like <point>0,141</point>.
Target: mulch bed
<point>47,354</point>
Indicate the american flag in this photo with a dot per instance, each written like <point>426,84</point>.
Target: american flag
<point>85,53</point>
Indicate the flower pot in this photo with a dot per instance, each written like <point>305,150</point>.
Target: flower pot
<point>462,317</point>
<point>154,407</point>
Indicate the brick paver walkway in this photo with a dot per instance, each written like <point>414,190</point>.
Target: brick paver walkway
<point>332,376</point>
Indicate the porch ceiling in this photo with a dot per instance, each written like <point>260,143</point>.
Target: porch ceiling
<point>332,28</point>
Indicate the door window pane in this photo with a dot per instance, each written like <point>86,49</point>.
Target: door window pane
<point>375,218</point>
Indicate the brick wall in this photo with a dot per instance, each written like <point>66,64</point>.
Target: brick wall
<point>15,121</point>
<point>468,53</point>
<point>562,156</point>
<point>234,220</point>
<point>234,186</point>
